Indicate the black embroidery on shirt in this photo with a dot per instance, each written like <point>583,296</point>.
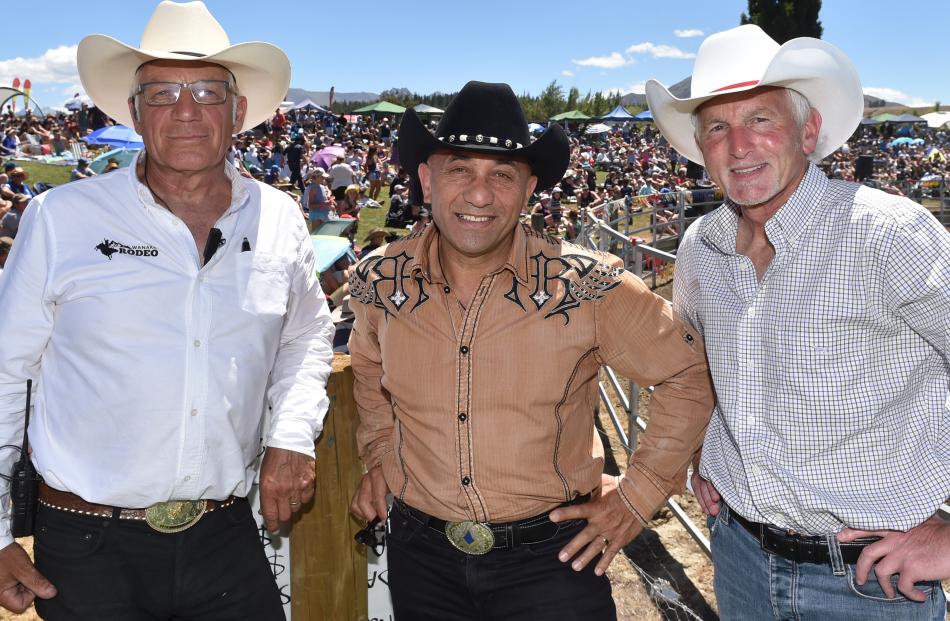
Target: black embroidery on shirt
<point>513,294</point>
<point>582,279</point>
<point>423,296</point>
<point>109,247</point>
<point>384,282</point>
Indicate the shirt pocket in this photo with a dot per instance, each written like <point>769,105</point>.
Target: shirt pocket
<point>263,283</point>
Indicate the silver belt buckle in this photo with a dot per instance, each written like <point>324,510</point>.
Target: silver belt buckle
<point>174,516</point>
<point>470,537</point>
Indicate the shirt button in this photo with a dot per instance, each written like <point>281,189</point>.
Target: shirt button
<point>194,412</point>
<point>464,349</point>
<point>188,478</point>
<point>463,417</point>
<point>756,470</point>
<point>751,311</point>
<point>201,279</point>
<point>447,289</point>
<point>197,343</point>
<point>466,481</point>
<point>750,420</point>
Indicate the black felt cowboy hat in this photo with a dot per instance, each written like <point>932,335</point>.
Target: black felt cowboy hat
<point>486,117</point>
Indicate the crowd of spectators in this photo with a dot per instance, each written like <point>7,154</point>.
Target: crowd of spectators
<point>337,165</point>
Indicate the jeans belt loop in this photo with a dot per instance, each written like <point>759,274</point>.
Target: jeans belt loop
<point>834,555</point>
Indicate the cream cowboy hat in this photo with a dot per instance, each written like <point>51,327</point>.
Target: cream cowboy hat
<point>183,31</point>
<point>744,58</point>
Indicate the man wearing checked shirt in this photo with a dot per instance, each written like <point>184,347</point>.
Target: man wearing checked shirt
<point>825,307</point>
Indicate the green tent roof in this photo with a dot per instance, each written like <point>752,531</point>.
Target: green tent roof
<point>887,116</point>
<point>570,115</point>
<point>380,106</point>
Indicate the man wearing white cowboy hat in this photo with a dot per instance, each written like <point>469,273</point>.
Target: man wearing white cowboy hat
<point>160,311</point>
<point>824,306</point>
<point>475,349</point>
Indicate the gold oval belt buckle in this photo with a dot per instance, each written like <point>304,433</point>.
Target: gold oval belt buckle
<point>470,537</point>
<point>175,516</point>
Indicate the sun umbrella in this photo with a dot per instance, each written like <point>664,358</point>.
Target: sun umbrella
<point>327,155</point>
<point>900,141</point>
<point>327,250</point>
<point>599,128</point>
<point>570,115</point>
<point>117,136</point>
<point>124,157</point>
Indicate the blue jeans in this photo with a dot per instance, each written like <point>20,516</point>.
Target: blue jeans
<point>752,584</point>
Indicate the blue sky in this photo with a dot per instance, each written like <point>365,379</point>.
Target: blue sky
<point>428,45</point>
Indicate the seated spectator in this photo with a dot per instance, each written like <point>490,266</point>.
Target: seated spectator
<point>82,170</point>
<point>10,222</point>
<point>6,243</point>
<point>17,183</point>
<point>317,198</point>
<point>399,215</point>
<point>374,239</point>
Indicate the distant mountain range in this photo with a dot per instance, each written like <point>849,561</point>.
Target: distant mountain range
<point>322,98</point>
<point>682,89</point>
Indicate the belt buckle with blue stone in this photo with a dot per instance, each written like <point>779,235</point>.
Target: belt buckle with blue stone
<point>174,516</point>
<point>470,537</point>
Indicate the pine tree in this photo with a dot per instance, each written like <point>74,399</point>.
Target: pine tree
<point>785,19</point>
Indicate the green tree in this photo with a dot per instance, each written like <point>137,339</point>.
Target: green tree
<point>551,101</point>
<point>785,19</point>
<point>572,96</point>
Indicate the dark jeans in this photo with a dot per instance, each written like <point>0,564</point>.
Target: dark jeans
<point>122,570</point>
<point>295,176</point>
<point>432,581</point>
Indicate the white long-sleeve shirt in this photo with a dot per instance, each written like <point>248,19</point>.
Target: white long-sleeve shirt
<point>152,373</point>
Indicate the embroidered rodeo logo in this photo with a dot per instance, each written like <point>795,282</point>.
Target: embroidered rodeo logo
<point>385,282</point>
<point>571,278</point>
<point>109,247</point>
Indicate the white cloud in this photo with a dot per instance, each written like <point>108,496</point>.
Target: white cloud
<point>895,95</point>
<point>57,65</point>
<point>689,32</point>
<point>606,62</point>
<point>638,88</point>
<point>567,73</point>
<point>658,51</point>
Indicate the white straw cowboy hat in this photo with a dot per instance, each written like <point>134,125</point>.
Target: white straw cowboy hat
<point>183,31</point>
<point>744,58</point>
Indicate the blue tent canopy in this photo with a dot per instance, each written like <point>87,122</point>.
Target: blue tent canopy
<point>646,115</point>
<point>617,114</point>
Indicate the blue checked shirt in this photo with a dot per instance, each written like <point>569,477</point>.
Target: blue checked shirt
<point>832,373</point>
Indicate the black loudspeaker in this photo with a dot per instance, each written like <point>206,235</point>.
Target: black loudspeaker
<point>864,167</point>
<point>694,170</point>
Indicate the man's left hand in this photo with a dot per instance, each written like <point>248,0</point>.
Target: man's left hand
<point>610,526</point>
<point>286,485</point>
<point>922,553</point>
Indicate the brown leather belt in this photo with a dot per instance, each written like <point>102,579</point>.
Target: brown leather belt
<point>66,501</point>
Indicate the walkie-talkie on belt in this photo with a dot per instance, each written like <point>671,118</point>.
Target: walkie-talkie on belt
<point>24,484</point>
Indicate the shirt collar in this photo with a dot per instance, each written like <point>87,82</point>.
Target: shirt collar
<point>239,192</point>
<point>427,260</point>
<point>785,227</point>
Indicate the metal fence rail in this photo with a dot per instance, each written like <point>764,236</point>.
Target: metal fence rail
<point>599,234</point>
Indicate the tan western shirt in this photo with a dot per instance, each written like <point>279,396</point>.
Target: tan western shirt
<point>486,413</point>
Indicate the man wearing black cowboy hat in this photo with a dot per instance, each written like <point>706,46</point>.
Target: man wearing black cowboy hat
<point>476,347</point>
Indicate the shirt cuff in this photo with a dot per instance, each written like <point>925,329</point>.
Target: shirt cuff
<point>640,494</point>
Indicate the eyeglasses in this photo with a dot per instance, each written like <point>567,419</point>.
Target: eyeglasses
<point>206,92</point>
<point>372,537</point>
